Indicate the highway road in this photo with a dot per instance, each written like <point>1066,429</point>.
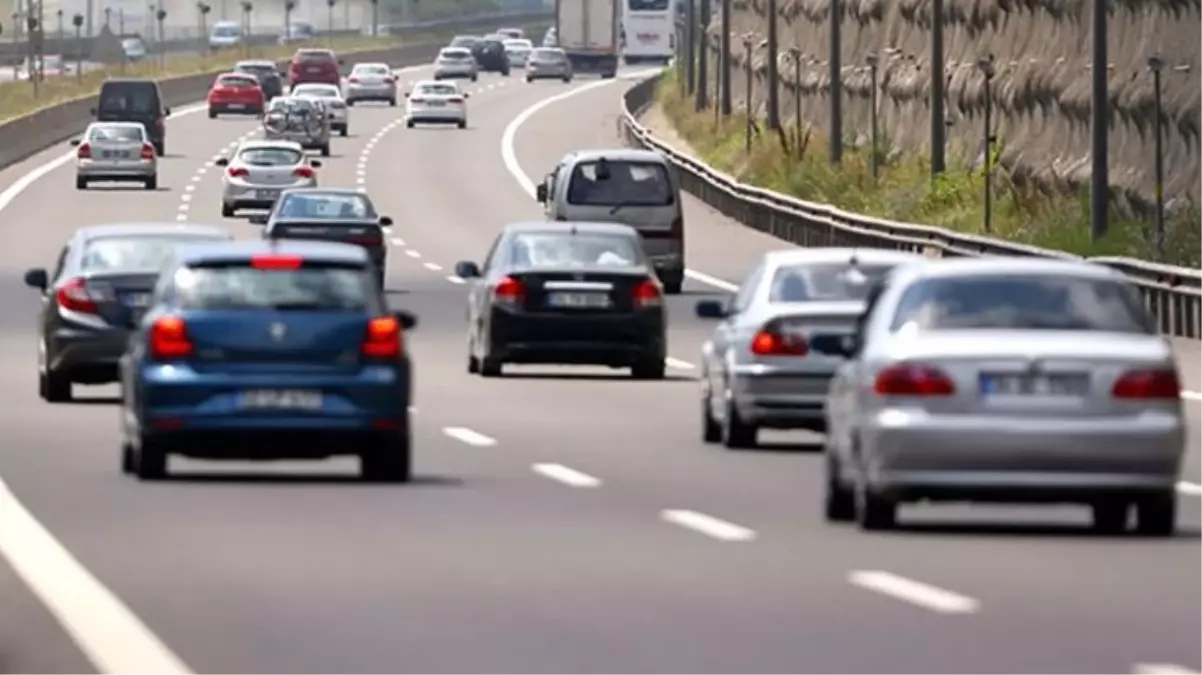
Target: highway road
<point>562,520</point>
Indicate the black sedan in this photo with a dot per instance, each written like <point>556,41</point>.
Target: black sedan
<point>566,293</point>
<point>102,283</point>
<point>490,54</point>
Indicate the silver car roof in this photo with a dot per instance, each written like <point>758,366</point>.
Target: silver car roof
<point>262,144</point>
<point>993,265</point>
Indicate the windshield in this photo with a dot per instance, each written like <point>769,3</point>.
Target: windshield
<point>547,55</point>
<point>291,105</point>
<point>826,282</point>
<point>127,133</point>
<point>648,5</point>
<point>129,98</point>
<point>133,253</point>
<point>553,249</point>
<point>379,71</point>
<point>1031,302</point>
<point>320,206</point>
<point>132,44</point>
<point>455,54</point>
<point>465,41</point>
<point>257,68</point>
<point>222,30</point>
<point>270,156</point>
<point>620,183</point>
<point>320,91</point>
<point>236,81</point>
<point>318,288</point>
<point>438,90</point>
<point>519,44</point>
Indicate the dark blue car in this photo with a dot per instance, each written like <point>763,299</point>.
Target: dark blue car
<point>268,350</point>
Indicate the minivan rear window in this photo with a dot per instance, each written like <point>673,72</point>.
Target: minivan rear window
<point>620,183</point>
<point>236,81</point>
<point>129,97</point>
<point>247,288</point>
<point>127,133</point>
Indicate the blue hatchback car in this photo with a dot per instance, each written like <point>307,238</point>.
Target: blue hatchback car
<point>268,350</point>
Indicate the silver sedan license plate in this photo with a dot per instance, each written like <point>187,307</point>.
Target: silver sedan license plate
<point>280,399</point>
<point>1034,385</point>
<point>578,300</point>
<point>267,194</point>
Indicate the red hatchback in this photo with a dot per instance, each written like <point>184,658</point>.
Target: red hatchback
<point>236,93</point>
<point>319,66</point>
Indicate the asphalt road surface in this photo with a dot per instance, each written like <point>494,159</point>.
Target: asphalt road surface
<point>561,520</point>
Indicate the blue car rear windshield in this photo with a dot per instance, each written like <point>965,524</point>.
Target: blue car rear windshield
<point>237,288</point>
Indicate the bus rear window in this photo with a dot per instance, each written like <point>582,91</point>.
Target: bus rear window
<point>610,183</point>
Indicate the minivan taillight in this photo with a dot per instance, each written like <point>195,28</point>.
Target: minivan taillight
<point>169,338</point>
<point>383,339</point>
<point>1147,384</point>
<point>908,379</point>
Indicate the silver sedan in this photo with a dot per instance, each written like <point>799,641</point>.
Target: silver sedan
<point>259,171</point>
<point>115,151</point>
<point>758,370</point>
<point>456,63</point>
<point>548,63</point>
<point>371,82</point>
<point>1005,380</point>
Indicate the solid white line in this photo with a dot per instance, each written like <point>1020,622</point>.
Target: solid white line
<point>915,592</point>
<point>454,279</point>
<point>433,267</point>
<point>567,475</point>
<point>182,216</point>
<point>708,525</point>
<point>1188,488</point>
<point>678,364</point>
<point>109,634</point>
<point>412,254</point>
<point>1162,669</point>
<point>465,435</point>
<point>1191,395</point>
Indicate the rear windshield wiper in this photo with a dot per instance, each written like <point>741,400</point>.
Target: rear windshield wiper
<point>301,306</point>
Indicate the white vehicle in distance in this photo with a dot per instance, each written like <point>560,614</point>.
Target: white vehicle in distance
<point>436,103</point>
<point>548,63</point>
<point>518,50</point>
<point>371,82</point>
<point>331,96</point>
<point>456,63</point>
<point>513,33</point>
<point>259,171</point>
<point>551,38</point>
<point>225,35</point>
<point>115,151</point>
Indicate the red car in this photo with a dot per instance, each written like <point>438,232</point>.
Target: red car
<point>318,66</point>
<point>236,93</point>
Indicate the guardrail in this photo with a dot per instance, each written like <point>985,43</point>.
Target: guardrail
<point>32,133</point>
<point>1173,294</point>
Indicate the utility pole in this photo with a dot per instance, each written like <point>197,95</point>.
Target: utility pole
<point>835,74</point>
<point>702,101</point>
<point>937,104</point>
<point>724,65</point>
<point>773,70</point>
<point>1099,188</point>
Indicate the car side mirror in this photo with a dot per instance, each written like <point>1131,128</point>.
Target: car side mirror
<point>711,309</point>
<point>258,220</point>
<point>540,193</point>
<point>315,163</point>
<point>330,116</point>
<point>407,320</point>
<point>406,94</point>
<point>386,221</point>
<point>467,270</point>
<point>842,346</point>
<point>221,162</point>
<point>467,94</point>
<point>75,141</point>
<point>37,278</point>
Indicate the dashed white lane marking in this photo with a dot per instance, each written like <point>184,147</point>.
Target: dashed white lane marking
<point>1162,669</point>
<point>397,241</point>
<point>465,435</point>
<point>412,254</point>
<point>914,592</point>
<point>567,475</point>
<point>1191,395</point>
<point>454,279</point>
<point>433,267</point>
<point>708,525</point>
<point>679,364</point>
<point>1188,488</point>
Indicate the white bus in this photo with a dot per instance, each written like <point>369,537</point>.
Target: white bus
<point>648,30</point>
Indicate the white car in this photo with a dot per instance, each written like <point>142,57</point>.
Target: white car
<point>434,102</point>
<point>456,63</point>
<point>331,96</point>
<point>371,82</point>
<point>518,50</point>
<point>258,171</point>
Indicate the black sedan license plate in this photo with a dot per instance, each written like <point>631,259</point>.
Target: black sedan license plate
<point>578,300</point>
<point>280,399</point>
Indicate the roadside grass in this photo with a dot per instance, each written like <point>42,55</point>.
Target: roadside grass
<point>905,192</point>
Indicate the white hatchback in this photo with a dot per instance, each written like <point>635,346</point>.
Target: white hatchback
<point>331,96</point>
<point>436,103</point>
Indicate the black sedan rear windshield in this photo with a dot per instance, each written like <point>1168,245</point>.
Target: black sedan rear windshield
<point>575,250</point>
<point>318,288</point>
<point>1029,302</point>
<point>133,253</point>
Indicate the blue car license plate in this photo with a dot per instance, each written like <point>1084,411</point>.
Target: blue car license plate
<point>280,399</point>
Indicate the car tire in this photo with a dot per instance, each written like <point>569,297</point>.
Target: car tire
<point>1156,516</point>
<point>1110,516</point>
<point>648,368</point>
<point>473,363</point>
<point>127,458</point>
<point>874,512</point>
<point>228,211</point>
<point>736,433</point>
<point>567,80</point>
<point>711,431</point>
<point>839,501</point>
<point>54,387</point>
<point>344,132</point>
<point>325,150</point>
<point>462,124</point>
<point>81,183</point>
<point>150,459</point>
<point>409,124</point>
<point>673,286</point>
<point>212,114</point>
<point>474,78</point>
<point>350,103</point>
<point>390,462</point>
<point>490,366</point>
<point>151,183</point>
<point>529,79</point>
<point>392,102</point>
<point>160,148</point>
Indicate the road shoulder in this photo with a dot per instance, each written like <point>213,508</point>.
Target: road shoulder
<point>31,640</point>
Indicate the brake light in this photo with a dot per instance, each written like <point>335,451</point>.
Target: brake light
<point>84,151</point>
<point>353,80</point>
<point>913,380</point>
<point>147,151</point>
<point>389,80</point>
<point>276,262</point>
<point>769,342</point>
<point>455,99</point>
<point>417,100</point>
<point>509,291</point>
<point>236,171</point>
<point>647,294</point>
<point>74,295</point>
<point>303,172</point>
<point>1148,384</point>
<point>369,242</point>
<point>383,340</point>
<point>169,338</point>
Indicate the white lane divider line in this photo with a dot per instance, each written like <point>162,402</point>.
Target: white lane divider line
<point>567,475</point>
<point>679,364</point>
<point>473,438</point>
<point>1188,488</point>
<point>708,525</point>
<point>454,279</point>
<point>412,254</point>
<point>397,241</point>
<point>1162,669</point>
<point>1191,395</point>
<point>914,592</point>
<point>433,267</point>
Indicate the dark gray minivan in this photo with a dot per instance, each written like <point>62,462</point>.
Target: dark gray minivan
<point>135,100</point>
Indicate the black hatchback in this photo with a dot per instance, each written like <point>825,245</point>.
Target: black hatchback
<point>489,53</point>
<point>135,100</point>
